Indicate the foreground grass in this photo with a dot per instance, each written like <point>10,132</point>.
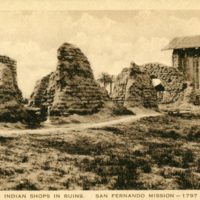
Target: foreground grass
<point>152,153</point>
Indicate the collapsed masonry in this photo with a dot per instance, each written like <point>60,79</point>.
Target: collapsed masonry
<point>11,108</point>
<point>71,88</point>
<point>133,87</point>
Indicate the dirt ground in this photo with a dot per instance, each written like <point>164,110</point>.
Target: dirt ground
<point>152,152</point>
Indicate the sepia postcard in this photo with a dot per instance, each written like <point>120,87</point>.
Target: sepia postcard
<point>99,100</point>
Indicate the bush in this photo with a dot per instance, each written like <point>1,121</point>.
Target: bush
<point>187,180</point>
<point>115,130</point>
<point>198,165</point>
<point>162,132</point>
<point>25,185</point>
<point>188,157</point>
<point>144,165</point>
<point>166,156</point>
<point>164,119</point>
<point>127,179</point>
<point>194,133</point>
<point>121,110</point>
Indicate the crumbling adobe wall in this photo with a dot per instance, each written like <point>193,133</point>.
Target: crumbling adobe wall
<point>11,108</point>
<point>119,90</point>
<point>71,88</point>
<point>38,97</point>
<point>171,78</point>
<point>133,87</point>
<point>12,66</point>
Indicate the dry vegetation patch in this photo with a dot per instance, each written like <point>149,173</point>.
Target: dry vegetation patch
<point>153,153</point>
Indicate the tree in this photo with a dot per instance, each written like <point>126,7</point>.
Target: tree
<point>25,101</point>
<point>112,78</point>
<point>106,79</point>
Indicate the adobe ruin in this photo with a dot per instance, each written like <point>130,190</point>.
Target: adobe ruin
<point>11,108</point>
<point>133,87</point>
<point>71,88</point>
<point>171,79</point>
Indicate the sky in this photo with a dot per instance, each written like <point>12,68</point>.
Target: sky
<point>111,40</point>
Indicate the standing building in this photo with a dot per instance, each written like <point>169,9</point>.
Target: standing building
<point>186,57</point>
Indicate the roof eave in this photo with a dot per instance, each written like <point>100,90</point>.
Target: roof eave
<point>164,49</point>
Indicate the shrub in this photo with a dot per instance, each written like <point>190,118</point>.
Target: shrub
<point>144,165</point>
<point>162,132</point>
<point>188,157</point>
<point>115,130</point>
<point>127,179</point>
<point>139,153</point>
<point>121,110</point>
<point>25,185</point>
<point>194,133</point>
<point>5,139</point>
<point>166,156</point>
<point>166,173</point>
<point>187,180</point>
<point>67,183</point>
<point>198,165</point>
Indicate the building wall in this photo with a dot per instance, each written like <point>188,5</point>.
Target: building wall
<point>175,60</point>
<point>1,77</point>
<point>188,62</point>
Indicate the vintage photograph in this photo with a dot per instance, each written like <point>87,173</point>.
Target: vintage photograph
<point>99,100</point>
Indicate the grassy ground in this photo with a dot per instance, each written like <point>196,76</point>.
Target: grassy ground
<point>160,152</point>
